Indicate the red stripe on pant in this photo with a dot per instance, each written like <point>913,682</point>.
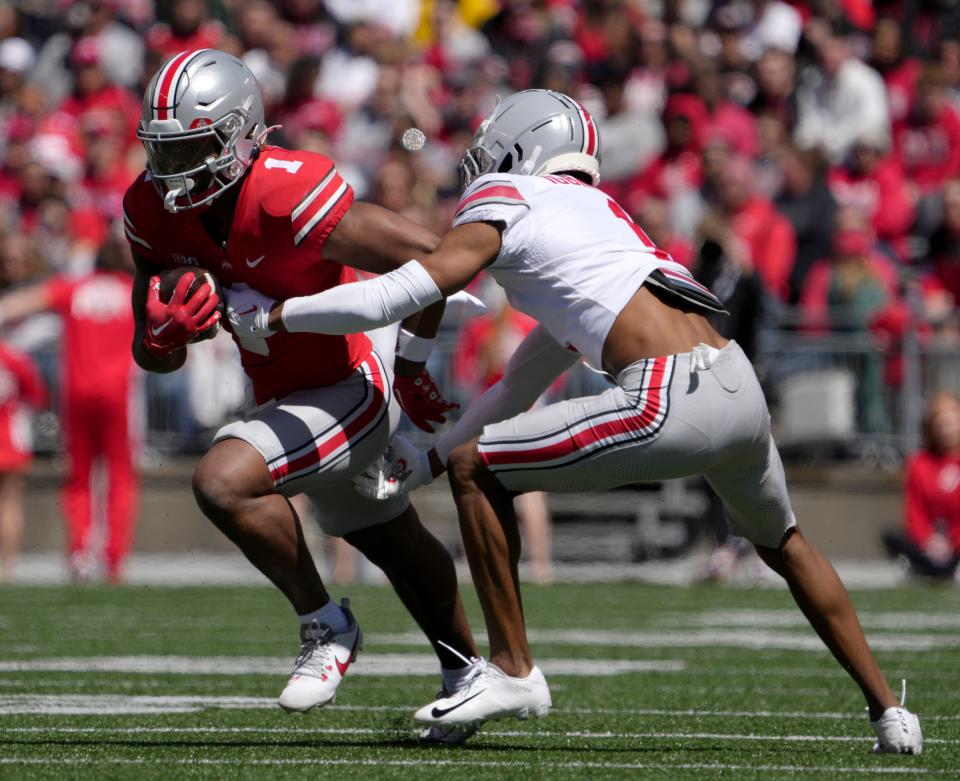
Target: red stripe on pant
<point>324,448</point>
<point>591,435</point>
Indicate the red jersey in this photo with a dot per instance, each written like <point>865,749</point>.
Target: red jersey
<point>929,152</point>
<point>20,385</point>
<point>932,497</point>
<point>97,332</point>
<point>288,204</point>
<point>880,196</point>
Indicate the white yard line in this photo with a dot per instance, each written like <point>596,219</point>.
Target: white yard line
<point>586,735</point>
<point>327,762</point>
<point>791,617</point>
<point>722,636</point>
<point>366,664</point>
<point>103,705</point>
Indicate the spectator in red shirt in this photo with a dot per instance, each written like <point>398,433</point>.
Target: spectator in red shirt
<point>93,92</point>
<point>872,184</point>
<point>190,28</point>
<point>930,539</point>
<point>927,145</point>
<point>677,174</point>
<point>95,398</point>
<point>749,228</point>
<point>21,387</point>
<point>899,70</point>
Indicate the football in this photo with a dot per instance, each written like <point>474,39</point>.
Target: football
<point>169,278</point>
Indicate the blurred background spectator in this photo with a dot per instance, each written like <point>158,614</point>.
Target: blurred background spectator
<point>802,157</point>
<point>930,540</point>
<point>21,390</point>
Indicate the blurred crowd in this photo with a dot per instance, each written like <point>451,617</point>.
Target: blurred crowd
<point>802,157</point>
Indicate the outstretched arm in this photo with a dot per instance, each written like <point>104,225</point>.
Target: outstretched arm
<point>363,306</point>
<point>22,303</point>
<point>537,362</point>
<point>374,239</point>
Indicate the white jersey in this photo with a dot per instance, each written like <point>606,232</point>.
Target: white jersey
<point>570,257</point>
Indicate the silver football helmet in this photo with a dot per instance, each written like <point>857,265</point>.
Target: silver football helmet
<point>537,131</point>
<point>202,119</point>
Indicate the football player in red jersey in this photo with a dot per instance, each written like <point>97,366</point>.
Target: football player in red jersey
<point>215,195</point>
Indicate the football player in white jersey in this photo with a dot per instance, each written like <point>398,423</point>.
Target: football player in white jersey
<point>686,401</point>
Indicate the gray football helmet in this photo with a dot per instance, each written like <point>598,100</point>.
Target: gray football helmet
<point>202,119</point>
<point>534,132</point>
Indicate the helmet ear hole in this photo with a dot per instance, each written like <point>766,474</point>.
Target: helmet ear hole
<point>506,164</point>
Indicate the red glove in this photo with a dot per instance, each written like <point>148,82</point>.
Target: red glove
<point>420,398</point>
<point>172,325</point>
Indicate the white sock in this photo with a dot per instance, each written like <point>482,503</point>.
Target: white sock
<point>454,680</point>
<point>331,615</point>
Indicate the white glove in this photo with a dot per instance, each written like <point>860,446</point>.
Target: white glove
<point>248,311</point>
<point>399,470</point>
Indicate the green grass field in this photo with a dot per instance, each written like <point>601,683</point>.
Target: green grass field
<point>647,682</point>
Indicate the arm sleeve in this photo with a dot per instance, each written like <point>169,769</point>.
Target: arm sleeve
<point>537,362</point>
<point>363,306</point>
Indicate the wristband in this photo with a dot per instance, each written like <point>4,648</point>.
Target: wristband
<point>413,348</point>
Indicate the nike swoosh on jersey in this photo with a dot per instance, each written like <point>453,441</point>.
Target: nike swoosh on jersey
<point>255,263</point>
<point>438,712</point>
<point>159,329</point>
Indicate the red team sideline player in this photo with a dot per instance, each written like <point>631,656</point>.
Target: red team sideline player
<point>215,195</point>
<point>95,400</point>
<point>21,387</point>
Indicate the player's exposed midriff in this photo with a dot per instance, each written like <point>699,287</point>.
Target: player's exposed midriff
<point>649,326</point>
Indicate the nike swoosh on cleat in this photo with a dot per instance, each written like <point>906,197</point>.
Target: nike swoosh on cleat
<point>159,329</point>
<point>438,712</point>
<point>255,263</point>
<point>342,666</point>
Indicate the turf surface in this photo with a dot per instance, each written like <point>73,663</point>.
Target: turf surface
<point>179,683</point>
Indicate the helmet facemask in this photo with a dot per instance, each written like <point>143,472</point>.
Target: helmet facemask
<point>192,167</point>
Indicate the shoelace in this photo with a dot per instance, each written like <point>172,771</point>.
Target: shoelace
<point>903,697</point>
<point>320,641</point>
<point>901,715</point>
<point>478,668</point>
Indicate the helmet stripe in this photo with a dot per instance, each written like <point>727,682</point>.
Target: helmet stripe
<point>589,130</point>
<point>161,102</point>
<point>165,94</point>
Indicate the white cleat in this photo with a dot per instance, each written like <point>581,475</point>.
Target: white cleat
<point>322,663</point>
<point>490,694</point>
<point>435,735</point>
<point>898,730</point>
<point>447,736</point>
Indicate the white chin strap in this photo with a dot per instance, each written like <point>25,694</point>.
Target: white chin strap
<point>170,199</point>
